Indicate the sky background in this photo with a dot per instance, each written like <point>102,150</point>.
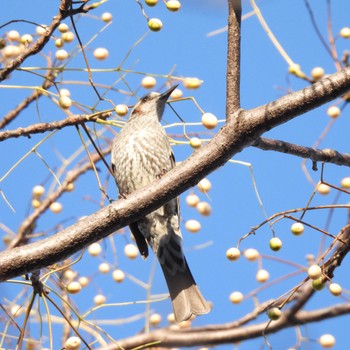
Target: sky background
<point>184,47</point>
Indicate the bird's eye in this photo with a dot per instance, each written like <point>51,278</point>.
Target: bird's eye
<point>145,98</point>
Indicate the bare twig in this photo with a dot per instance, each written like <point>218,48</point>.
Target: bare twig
<point>64,12</point>
<point>48,82</point>
<point>326,155</point>
<point>44,127</point>
<point>170,338</point>
<point>28,224</point>
<point>233,57</point>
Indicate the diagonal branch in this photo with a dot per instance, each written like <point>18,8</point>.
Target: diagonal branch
<point>239,133</point>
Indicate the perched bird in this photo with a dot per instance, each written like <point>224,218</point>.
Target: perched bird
<point>141,153</point>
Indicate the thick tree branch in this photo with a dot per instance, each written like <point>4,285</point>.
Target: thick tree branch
<point>326,155</point>
<point>239,132</point>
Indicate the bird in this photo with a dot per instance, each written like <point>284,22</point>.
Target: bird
<point>141,153</point>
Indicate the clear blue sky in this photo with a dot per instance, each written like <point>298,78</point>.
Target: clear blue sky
<point>184,46</point>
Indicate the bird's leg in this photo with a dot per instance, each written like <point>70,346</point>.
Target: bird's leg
<point>162,173</point>
<point>122,195</point>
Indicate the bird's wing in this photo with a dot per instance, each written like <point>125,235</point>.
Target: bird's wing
<point>173,164</point>
<point>139,239</point>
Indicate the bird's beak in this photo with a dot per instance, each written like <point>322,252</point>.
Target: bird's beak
<point>165,95</point>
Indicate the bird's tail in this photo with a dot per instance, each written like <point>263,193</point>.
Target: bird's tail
<point>185,295</point>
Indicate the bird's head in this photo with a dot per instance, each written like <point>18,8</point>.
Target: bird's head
<point>152,104</point>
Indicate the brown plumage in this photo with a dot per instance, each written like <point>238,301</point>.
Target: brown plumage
<point>142,153</point>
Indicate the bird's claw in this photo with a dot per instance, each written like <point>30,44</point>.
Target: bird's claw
<point>122,195</point>
<point>163,172</point>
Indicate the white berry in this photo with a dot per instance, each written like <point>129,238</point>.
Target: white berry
<point>192,226</point>
<point>192,200</point>
<point>106,17</point>
<point>72,343</point>
<point>131,251</point>
<point>118,275</point>
<point>151,2</point>
<point>236,297</point>
<point>274,313</point>
<point>122,110</point>
<point>13,35</point>
<point>84,281</point>
<point>36,203</point>
<point>63,27</point>
<point>26,39</point>
<point>101,53</point>
<point>61,55</point>
<point>16,310</point>
<point>95,249</point>
<point>99,299</point>
<point>155,24</point>
<point>209,121</point>
<point>41,30</point>
<point>192,83</point>
<point>327,341</point>
<point>104,268</point>
<point>345,32</point>
<point>65,102</point>
<point>70,187</point>
<point>275,244</point>
<point>171,318</point>
<point>74,287</point>
<point>56,207</point>
<point>262,275</point>
<point>38,191</point>
<point>333,111</point>
<point>204,185</point>
<point>233,254</point>
<point>297,228</point>
<point>155,319</point>
<point>148,82</point>
<point>251,254</point>
<point>204,208</point>
<point>173,5</point>
<point>64,92</point>
<point>68,37</point>
<point>176,94</point>
<point>195,142</point>
<point>59,43</point>
<point>323,189</point>
<point>10,51</point>
<point>335,289</point>
<point>314,272</point>
<point>345,182</point>
<point>317,73</point>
